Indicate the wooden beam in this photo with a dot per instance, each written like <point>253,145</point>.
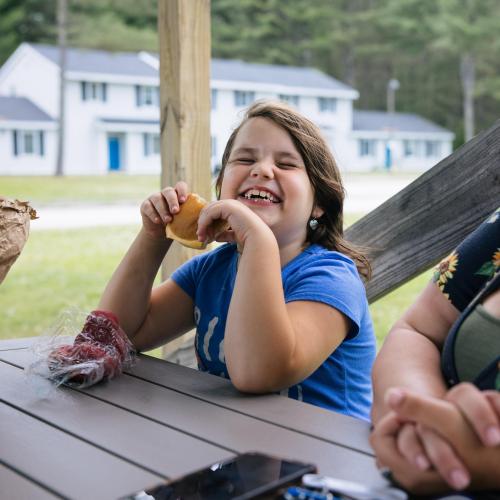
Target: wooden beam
<point>421,224</point>
<point>184,34</point>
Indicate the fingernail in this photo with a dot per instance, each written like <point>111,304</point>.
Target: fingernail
<point>395,397</point>
<point>175,208</point>
<point>182,198</point>
<point>459,479</point>
<point>493,435</point>
<point>422,462</point>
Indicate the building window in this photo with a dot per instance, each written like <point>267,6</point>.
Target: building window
<point>213,146</point>
<point>366,147</point>
<point>213,99</point>
<point>94,91</point>
<point>293,100</point>
<point>151,144</point>
<point>147,95</point>
<point>432,148</point>
<point>327,104</point>
<point>242,98</point>
<point>412,148</point>
<point>28,142</point>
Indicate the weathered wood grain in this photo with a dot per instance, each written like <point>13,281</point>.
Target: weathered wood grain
<point>184,32</point>
<point>417,227</point>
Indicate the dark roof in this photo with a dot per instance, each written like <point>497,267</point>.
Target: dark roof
<point>398,122</point>
<point>21,109</point>
<point>292,76</point>
<point>99,61</point>
<point>130,121</point>
<point>129,63</point>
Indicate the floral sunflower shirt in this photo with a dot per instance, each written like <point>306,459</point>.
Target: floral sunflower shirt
<point>460,277</point>
<point>466,270</point>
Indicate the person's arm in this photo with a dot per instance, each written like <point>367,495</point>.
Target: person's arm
<point>149,317</point>
<point>268,344</point>
<point>410,356</point>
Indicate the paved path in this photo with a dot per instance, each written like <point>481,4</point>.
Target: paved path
<point>363,195</point>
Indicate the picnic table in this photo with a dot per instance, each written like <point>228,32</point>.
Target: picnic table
<point>158,420</point>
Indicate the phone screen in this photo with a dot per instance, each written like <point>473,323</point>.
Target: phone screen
<point>244,476</point>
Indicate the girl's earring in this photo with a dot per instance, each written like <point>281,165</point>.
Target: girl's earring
<point>313,224</point>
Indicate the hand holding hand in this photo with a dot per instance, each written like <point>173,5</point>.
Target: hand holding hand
<point>447,437</point>
<point>159,208</point>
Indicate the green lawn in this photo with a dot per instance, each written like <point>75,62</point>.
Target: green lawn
<point>80,189</point>
<point>62,269</point>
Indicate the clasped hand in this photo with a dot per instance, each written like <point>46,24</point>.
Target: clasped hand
<point>433,444</point>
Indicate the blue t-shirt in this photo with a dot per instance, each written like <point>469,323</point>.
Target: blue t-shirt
<point>342,383</point>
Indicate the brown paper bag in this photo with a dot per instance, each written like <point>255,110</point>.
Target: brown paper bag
<point>15,219</point>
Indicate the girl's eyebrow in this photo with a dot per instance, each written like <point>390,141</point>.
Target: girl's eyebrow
<point>245,150</point>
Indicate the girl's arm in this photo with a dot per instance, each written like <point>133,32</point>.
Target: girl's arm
<point>269,345</point>
<point>149,317</point>
<point>410,356</point>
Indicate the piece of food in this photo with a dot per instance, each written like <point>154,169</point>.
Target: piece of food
<point>185,223</point>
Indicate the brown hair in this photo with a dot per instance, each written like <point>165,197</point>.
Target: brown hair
<point>321,169</point>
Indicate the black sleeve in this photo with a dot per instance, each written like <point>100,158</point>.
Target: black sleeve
<point>463,273</point>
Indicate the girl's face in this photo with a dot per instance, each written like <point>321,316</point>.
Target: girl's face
<point>267,173</point>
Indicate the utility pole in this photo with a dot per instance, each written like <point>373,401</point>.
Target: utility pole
<point>62,14</point>
<point>392,86</point>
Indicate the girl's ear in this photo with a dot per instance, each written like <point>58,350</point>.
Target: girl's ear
<point>317,212</point>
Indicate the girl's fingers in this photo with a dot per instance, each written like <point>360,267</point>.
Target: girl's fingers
<point>479,412</point>
<point>410,447</point>
<point>159,203</point>
<point>169,194</point>
<point>182,191</point>
<point>148,210</point>
<point>444,459</point>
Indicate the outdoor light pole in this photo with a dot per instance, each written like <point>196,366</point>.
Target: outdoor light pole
<point>392,86</point>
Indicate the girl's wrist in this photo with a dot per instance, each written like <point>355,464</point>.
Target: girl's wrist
<point>159,241</point>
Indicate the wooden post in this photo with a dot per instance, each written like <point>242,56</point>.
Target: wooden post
<point>184,34</point>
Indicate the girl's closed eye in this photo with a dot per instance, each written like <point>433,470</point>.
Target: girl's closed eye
<point>287,165</point>
<point>246,161</point>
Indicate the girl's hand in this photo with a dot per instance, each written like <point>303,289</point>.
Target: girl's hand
<point>243,223</point>
<point>159,208</point>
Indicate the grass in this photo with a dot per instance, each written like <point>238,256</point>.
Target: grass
<point>62,269</point>
<point>58,270</point>
<point>111,188</point>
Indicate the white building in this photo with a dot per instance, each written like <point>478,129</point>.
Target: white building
<point>112,114</point>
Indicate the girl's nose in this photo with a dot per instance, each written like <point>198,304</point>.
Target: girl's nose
<point>263,168</point>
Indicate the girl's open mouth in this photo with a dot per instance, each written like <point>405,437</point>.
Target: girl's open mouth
<point>259,197</point>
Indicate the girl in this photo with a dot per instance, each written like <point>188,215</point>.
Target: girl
<point>281,307</point>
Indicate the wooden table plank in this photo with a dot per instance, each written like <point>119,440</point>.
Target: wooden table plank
<point>151,445</point>
<point>6,345</point>
<point>13,485</point>
<point>226,428</point>
<point>288,413</point>
<point>63,463</point>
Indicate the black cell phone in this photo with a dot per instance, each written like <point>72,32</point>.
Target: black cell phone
<point>245,476</point>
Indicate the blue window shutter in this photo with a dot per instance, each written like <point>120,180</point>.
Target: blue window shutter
<point>145,142</point>
<point>83,87</point>
<point>14,143</point>
<point>137,95</point>
<point>42,145</point>
<point>104,92</point>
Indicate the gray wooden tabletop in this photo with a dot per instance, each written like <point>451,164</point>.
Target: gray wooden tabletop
<point>158,420</point>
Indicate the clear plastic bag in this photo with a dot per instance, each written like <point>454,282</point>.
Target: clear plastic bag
<point>83,356</point>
